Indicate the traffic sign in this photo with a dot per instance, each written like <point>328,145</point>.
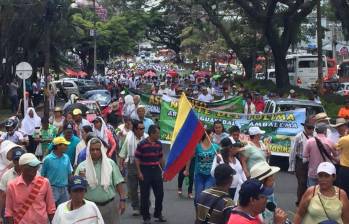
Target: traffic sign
<point>344,51</point>
<point>24,70</point>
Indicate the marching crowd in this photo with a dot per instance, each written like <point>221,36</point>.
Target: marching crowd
<point>66,169</point>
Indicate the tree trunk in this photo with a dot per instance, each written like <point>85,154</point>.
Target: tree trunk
<point>248,66</point>
<point>213,66</point>
<point>281,72</point>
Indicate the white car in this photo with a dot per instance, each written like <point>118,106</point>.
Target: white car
<point>343,89</point>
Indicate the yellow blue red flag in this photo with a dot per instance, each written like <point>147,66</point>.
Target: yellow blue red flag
<point>187,132</point>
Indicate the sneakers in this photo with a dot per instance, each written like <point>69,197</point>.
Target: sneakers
<point>160,218</point>
<point>190,196</point>
<point>179,192</point>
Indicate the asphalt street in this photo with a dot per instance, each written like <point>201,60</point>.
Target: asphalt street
<point>181,210</point>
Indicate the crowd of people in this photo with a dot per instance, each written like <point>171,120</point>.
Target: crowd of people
<point>66,169</point>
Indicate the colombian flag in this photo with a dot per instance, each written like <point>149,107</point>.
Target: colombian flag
<point>187,132</point>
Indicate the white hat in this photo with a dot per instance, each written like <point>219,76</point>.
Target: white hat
<point>28,159</point>
<point>262,170</point>
<point>6,148</point>
<point>326,167</point>
<point>255,131</point>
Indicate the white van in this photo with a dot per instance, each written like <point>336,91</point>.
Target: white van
<point>67,86</point>
<point>303,69</point>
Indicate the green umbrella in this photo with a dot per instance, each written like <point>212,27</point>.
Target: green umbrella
<point>216,76</point>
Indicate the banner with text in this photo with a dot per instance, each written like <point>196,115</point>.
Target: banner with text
<point>280,127</point>
<point>153,102</point>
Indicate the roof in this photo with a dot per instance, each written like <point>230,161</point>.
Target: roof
<point>296,102</point>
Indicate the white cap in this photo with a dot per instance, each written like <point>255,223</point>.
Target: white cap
<point>255,131</point>
<point>292,91</point>
<point>326,167</point>
<point>28,159</point>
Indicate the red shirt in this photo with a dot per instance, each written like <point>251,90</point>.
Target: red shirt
<point>238,217</point>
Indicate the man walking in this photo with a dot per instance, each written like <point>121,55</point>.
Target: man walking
<point>317,150</point>
<point>77,210</point>
<point>127,160</point>
<point>57,169</point>
<point>149,162</point>
<point>214,204</point>
<point>104,181</point>
<point>29,197</point>
<point>296,158</point>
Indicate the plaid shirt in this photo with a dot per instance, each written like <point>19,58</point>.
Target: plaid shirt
<point>297,149</point>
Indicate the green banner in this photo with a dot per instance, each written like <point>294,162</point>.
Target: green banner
<point>153,103</point>
<point>280,127</point>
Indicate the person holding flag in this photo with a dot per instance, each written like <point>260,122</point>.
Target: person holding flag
<point>187,133</point>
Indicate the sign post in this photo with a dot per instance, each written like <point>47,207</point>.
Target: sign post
<point>24,70</point>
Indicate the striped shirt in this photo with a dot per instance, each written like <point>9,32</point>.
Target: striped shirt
<point>221,210</point>
<point>149,153</point>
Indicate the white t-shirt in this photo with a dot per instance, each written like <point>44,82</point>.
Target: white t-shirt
<point>205,98</point>
<point>86,214</point>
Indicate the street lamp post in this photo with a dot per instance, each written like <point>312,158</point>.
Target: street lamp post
<point>319,44</point>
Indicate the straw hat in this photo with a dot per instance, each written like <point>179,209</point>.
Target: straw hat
<point>321,116</point>
<point>262,170</point>
<point>339,122</point>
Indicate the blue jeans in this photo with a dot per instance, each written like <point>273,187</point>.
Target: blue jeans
<point>311,181</point>
<point>60,194</point>
<point>202,182</point>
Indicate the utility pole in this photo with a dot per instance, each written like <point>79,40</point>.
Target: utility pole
<point>319,44</point>
<point>94,39</point>
<point>46,49</point>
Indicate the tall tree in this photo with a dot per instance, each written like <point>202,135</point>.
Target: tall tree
<point>281,22</point>
<point>342,12</point>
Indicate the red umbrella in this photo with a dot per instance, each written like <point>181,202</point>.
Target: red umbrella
<point>172,73</point>
<point>70,72</point>
<point>81,74</point>
<point>202,74</point>
<point>150,74</point>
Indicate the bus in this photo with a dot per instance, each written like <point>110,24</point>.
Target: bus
<point>302,69</point>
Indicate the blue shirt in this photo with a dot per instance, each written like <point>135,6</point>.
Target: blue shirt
<point>74,141</point>
<point>57,169</point>
<point>82,156</point>
<point>204,158</point>
<point>147,122</point>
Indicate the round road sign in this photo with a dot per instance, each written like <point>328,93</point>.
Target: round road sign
<point>24,70</point>
<point>344,51</point>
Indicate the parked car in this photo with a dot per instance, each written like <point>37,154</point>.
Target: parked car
<point>85,85</point>
<point>285,104</point>
<point>65,88</point>
<point>102,96</point>
<point>343,89</point>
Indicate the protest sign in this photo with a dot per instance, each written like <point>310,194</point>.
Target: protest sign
<point>280,127</point>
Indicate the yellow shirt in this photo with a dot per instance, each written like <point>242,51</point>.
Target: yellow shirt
<point>343,147</point>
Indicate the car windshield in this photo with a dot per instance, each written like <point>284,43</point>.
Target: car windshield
<point>310,110</point>
<point>100,97</point>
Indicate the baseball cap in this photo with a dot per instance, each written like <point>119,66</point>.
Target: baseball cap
<point>29,159</point>
<point>17,153</point>
<point>77,182</point>
<point>60,140</point>
<point>68,126</point>
<point>226,142</point>
<point>254,188</point>
<point>255,131</point>
<point>77,111</point>
<point>223,172</point>
<point>326,167</point>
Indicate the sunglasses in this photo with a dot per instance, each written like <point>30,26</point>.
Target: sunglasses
<point>140,128</point>
<point>310,127</point>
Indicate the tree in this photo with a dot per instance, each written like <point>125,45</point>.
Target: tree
<point>166,22</point>
<point>239,32</point>
<point>281,22</point>
<point>342,13</point>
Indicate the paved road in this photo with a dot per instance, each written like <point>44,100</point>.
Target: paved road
<point>181,210</point>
